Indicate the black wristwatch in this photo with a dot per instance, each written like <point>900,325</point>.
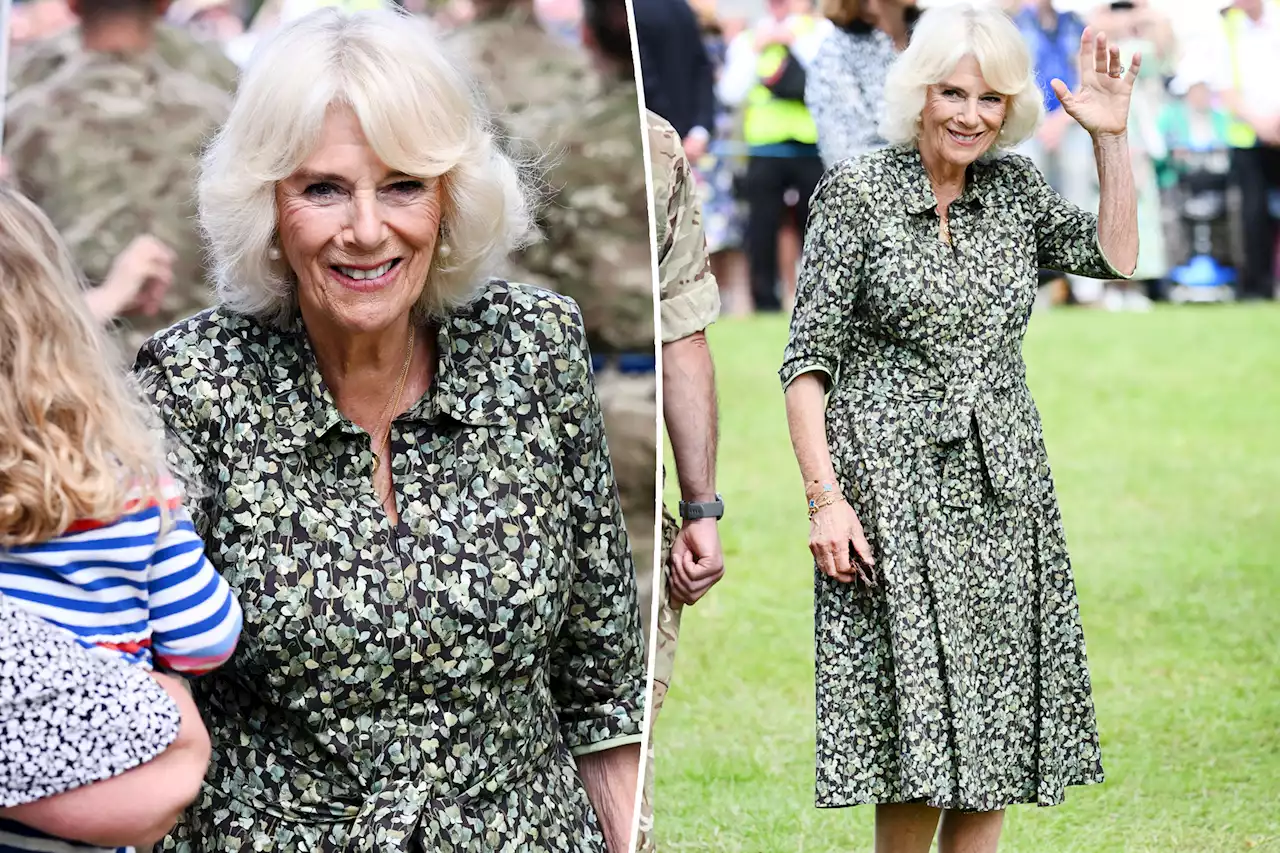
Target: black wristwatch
<point>694,510</point>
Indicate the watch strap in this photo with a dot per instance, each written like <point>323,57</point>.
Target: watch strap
<point>694,510</point>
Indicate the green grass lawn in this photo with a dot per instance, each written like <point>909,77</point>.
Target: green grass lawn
<point>1164,435</point>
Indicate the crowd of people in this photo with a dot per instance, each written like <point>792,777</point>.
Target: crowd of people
<point>769,104</point>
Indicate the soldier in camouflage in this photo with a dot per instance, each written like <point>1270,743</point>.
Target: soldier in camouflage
<point>597,251</point>
<point>107,145</point>
<point>531,79</point>
<point>692,560</point>
<point>36,61</point>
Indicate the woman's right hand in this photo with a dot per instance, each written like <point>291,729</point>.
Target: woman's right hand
<point>831,531</point>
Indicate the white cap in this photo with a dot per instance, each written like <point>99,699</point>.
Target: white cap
<point>1192,73</point>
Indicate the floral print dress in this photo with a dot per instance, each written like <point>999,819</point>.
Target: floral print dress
<point>960,679</point>
<point>423,686</point>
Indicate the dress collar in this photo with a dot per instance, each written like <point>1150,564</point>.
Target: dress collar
<point>469,345</point>
<point>918,194</point>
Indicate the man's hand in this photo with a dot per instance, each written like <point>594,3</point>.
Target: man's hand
<point>697,561</point>
<point>695,146</point>
<point>141,275</point>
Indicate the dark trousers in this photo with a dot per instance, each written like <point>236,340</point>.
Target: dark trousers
<point>766,184</point>
<point>1256,172</point>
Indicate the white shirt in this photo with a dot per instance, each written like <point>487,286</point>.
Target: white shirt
<point>1258,58</point>
<point>739,77</point>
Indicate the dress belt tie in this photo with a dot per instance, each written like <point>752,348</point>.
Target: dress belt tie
<point>976,427</point>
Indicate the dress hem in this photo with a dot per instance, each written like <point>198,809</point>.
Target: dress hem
<point>951,805</point>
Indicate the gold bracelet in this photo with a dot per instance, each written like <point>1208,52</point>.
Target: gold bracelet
<point>824,500</point>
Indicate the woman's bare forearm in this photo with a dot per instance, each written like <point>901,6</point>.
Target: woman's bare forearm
<point>1118,202</point>
<point>611,778</point>
<point>806,419</point>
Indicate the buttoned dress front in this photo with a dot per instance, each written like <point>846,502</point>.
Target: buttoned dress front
<point>960,680</point>
<point>422,686</point>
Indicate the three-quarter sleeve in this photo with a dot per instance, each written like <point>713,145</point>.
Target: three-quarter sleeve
<point>70,717</point>
<point>827,287</point>
<point>598,673</point>
<point>180,406</point>
<point>1066,236</point>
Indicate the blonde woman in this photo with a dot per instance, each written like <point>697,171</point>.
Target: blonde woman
<point>405,477</point>
<point>93,537</point>
<point>952,679</point>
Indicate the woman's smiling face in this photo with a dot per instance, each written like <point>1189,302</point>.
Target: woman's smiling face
<point>962,116</point>
<point>359,236</point>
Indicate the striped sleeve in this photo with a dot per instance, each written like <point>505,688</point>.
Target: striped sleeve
<point>195,618</point>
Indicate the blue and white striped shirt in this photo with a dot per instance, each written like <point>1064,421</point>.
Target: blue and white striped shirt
<point>132,587</point>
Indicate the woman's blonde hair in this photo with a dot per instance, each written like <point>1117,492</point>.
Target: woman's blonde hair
<point>74,443</point>
<point>941,38</point>
<point>422,116</point>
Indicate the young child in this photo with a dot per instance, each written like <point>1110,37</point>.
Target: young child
<point>93,534</point>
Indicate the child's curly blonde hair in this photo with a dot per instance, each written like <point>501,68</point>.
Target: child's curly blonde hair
<point>74,437</point>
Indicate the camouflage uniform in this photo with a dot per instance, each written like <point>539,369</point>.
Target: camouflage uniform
<point>37,61</point>
<point>597,250</point>
<point>107,146</point>
<point>531,79</point>
<point>690,301</point>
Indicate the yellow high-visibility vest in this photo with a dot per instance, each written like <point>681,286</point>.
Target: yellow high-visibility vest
<point>1239,133</point>
<point>767,120</point>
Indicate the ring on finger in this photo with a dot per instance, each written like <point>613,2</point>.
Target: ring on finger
<point>1117,72</point>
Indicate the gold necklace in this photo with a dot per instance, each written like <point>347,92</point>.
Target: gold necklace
<point>946,230</point>
<point>389,413</point>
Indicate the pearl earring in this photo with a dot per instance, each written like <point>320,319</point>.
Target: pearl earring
<point>444,250</point>
<point>273,253</point>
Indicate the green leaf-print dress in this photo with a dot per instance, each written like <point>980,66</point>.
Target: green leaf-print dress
<point>423,686</point>
<point>960,680</point>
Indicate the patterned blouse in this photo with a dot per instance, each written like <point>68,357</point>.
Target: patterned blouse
<point>421,686</point>
<point>845,92</point>
<point>69,717</point>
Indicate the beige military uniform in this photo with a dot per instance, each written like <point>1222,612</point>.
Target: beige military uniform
<point>36,61</point>
<point>690,301</point>
<point>108,147</point>
<point>532,81</point>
